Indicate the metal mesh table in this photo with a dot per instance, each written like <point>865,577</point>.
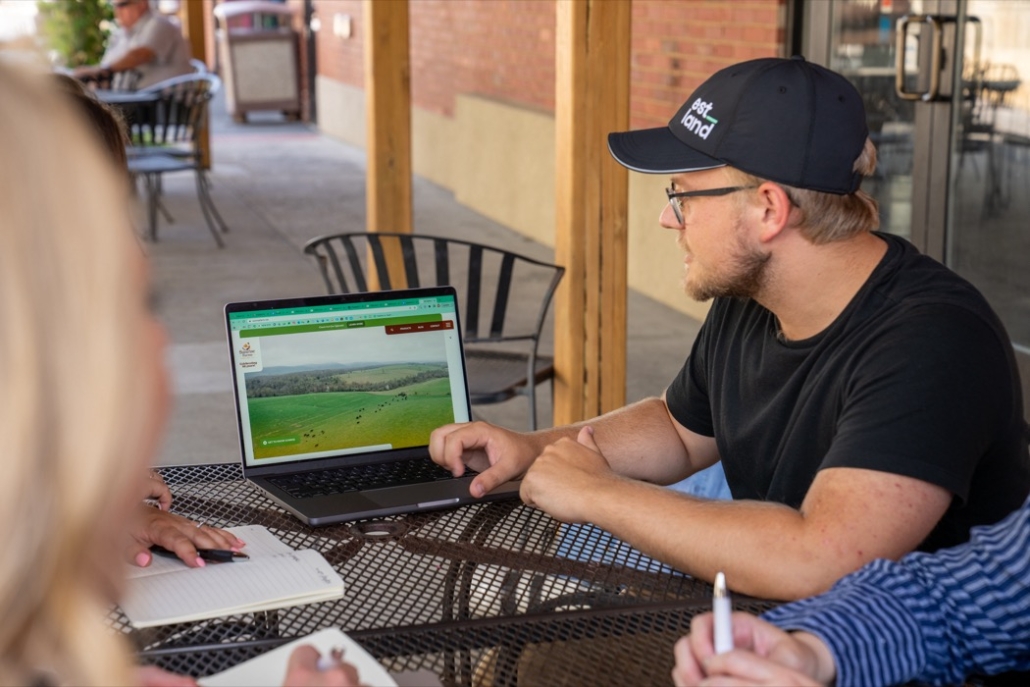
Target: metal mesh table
<point>485,594</point>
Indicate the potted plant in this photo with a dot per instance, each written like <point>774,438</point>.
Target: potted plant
<point>76,30</point>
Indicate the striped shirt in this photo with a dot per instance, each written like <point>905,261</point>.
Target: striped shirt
<point>932,618</point>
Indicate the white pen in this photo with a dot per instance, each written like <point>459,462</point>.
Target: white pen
<point>721,608</point>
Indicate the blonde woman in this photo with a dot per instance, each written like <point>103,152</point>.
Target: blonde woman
<point>83,397</point>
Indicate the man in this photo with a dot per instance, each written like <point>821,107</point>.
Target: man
<point>930,618</point>
<point>862,398</point>
<point>145,42</point>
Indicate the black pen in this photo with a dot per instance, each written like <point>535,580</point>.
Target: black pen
<point>214,555</point>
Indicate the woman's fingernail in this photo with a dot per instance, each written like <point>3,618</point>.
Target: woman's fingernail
<point>142,559</point>
<point>201,562</point>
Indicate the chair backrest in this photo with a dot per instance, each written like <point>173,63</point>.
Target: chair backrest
<point>178,112</point>
<point>126,80</point>
<point>199,66</point>
<point>505,296</point>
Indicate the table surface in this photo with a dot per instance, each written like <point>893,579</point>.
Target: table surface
<point>489,593</point>
<point>125,97</point>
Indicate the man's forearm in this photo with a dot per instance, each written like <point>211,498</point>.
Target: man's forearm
<point>765,549</point>
<point>130,60</point>
<point>640,442</point>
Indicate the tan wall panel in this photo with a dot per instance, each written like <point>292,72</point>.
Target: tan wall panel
<point>434,147</point>
<point>507,165</point>
<point>341,111</point>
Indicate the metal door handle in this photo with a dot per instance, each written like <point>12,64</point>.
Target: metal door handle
<point>936,33</point>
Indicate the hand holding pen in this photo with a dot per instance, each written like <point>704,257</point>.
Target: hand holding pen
<point>308,667</point>
<point>184,537</point>
<point>744,649</point>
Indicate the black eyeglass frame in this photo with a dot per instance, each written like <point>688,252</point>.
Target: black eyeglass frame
<point>677,208</point>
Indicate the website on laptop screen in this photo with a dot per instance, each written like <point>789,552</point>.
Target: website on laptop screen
<point>330,380</point>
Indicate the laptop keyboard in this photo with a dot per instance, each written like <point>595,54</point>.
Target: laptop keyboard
<point>362,477</point>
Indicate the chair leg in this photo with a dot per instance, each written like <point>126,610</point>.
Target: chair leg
<point>152,203</point>
<point>531,395</point>
<point>160,203</point>
<point>207,212</point>
<point>206,195</point>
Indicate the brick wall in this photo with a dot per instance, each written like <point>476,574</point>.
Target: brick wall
<point>505,49</point>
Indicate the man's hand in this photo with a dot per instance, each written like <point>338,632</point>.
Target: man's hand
<point>498,455</point>
<point>563,480</point>
<point>763,655</point>
<point>153,526</point>
<point>303,671</point>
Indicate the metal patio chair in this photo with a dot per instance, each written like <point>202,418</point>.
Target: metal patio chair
<point>165,138</point>
<point>503,297</point>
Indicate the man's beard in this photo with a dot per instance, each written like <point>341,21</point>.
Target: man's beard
<point>743,276</point>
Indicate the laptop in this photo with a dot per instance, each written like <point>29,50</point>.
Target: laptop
<point>336,397</point>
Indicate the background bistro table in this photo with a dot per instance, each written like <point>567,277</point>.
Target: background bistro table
<point>495,593</point>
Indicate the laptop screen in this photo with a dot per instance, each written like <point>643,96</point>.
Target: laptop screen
<point>345,375</point>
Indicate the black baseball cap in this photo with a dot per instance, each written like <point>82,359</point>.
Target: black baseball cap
<point>786,120</point>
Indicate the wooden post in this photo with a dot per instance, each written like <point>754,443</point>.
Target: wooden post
<point>388,120</point>
<point>191,16</point>
<point>591,100</point>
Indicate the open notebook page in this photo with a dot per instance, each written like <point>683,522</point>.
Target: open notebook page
<point>269,669</point>
<point>269,580</point>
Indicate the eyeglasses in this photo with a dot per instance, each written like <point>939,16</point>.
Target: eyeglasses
<point>677,204</point>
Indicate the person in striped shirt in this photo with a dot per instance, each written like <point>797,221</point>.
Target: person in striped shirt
<point>929,618</point>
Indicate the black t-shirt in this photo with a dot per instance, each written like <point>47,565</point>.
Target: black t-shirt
<point>916,377</point>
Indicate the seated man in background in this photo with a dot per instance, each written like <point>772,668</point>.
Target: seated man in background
<point>929,618</point>
<point>145,42</point>
<point>862,398</point>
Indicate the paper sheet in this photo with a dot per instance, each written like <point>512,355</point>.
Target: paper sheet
<point>269,670</point>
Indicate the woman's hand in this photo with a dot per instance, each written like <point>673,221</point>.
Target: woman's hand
<point>303,670</point>
<point>183,537</point>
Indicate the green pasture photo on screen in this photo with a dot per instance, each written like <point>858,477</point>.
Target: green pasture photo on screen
<point>327,410</point>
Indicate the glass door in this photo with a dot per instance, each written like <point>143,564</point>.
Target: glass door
<point>944,84</point>
<point>988,227</point>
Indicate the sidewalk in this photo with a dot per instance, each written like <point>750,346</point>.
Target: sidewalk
<point>277,185</point>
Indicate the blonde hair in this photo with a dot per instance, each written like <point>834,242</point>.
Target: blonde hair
<point>73,392</point>
<point>825,217</point>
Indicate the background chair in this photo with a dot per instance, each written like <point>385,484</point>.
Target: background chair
<point>166,139</point>
<point>505,297</point>
<point>122,81</point>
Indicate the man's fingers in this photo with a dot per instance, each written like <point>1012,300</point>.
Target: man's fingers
<point>490,479</point>
<point>586,438</point>
<point>445,451</point>
<point>687,670</point>
<point>750,668</point>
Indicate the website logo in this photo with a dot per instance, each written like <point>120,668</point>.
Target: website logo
<point>248,355</point>
<point>697,119</point>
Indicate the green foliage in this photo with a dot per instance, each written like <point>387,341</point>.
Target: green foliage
<point>73,29</point>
